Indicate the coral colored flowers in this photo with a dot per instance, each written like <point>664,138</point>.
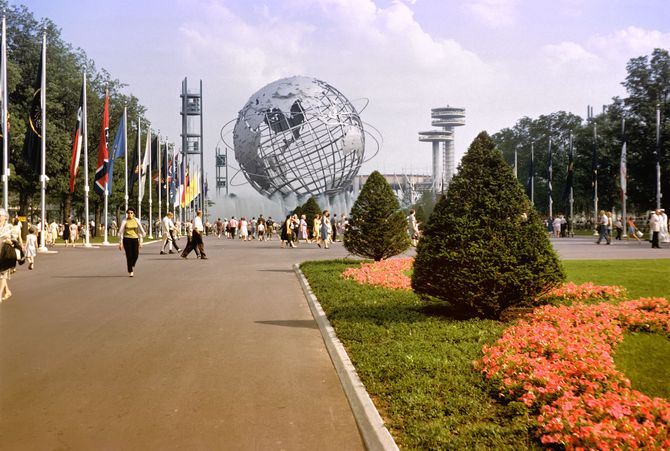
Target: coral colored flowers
<point>559,363</point>
<point>385,273</point>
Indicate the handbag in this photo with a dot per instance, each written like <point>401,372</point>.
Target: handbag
<point>7,257</point>
<point>638,233</point>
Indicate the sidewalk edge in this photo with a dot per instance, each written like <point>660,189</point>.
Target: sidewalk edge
<point>370,424</point>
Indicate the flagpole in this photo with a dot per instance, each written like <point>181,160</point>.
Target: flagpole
<point>658,156</point>
<point>139,170</point>
<point>160,187</point>
<point>5,148</point>
<point>515,161</point>
<point>151,228</point>
<point>125,151</point>
<point>532,176</point>
<point>572,197</point>
<point>595,174</point>
<point>623,173</point>
<point>551,174</point>
<point>43,176</point>
<point>105,241</point>
<point>87,242</point>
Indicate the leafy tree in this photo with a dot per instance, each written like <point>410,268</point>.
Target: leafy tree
<point>377,227</point>
<point>424,207</point>
<point>310,209</point>
<point>648,87</point>
<point>65,66</point>
<point>484,249</point>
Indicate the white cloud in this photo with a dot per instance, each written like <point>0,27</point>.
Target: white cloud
<point>567,53</point>
<point>364,51</point>
<point>630,42</point>
<point>494,13</point>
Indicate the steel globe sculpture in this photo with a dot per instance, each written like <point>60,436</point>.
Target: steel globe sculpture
<point>299,136</point>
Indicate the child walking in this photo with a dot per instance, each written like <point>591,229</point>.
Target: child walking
<point>31,248</point>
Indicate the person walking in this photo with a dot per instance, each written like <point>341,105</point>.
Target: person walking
<point>6,270</point>
<point>31,248</point>
<point>196,239</point>
<point>664,236</point>
<point>167,229</point>
<point>655,228</point>
<point>131,232</point>
<point>618,226</point>
<point>325,228</point>
<point>632,230</point>
<point>413,227</point>
<point>74,233</point>
<point>603,230</point>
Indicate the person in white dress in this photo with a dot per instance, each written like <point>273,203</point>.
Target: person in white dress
<point>663,234</point>
<point>31,248</point>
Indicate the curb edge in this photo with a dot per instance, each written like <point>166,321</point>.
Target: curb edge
<point>370,423</point>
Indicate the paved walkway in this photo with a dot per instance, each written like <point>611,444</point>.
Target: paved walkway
<point>584,247</point>
<point>216,354</point>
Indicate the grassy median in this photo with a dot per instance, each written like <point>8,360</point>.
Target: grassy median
<point>417,364</point>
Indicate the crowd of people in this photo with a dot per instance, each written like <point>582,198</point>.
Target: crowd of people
<point>290,231</point>
<point>324,229</point>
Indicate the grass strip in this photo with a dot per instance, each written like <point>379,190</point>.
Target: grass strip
<point>417,365</point>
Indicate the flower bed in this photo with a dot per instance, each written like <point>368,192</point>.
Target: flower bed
<point>559,363</point>
<point>385,273</point>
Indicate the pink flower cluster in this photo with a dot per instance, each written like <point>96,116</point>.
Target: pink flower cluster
<point>559,363</point>
<point>385,273</point>
<point>573,292</point>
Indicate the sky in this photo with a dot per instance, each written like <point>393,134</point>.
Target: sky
<point>501,60</point>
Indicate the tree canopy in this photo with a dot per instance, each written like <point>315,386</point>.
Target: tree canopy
<point>648,86</point>
<point>65,68</point>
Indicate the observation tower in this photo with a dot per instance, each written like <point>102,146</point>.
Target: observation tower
<point>447,118</point>
<point>436,137</point>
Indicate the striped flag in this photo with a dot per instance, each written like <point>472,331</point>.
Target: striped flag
<point>77,141</point>
<point>101,169</point>
<point>118,150</point>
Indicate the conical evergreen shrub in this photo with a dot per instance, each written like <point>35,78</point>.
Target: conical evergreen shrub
<point>377,227</point>
<point>484,248</point>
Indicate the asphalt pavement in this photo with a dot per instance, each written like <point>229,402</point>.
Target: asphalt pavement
<point>189,354</point>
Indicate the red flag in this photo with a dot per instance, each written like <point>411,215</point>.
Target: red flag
<point>101,168</point>
<point>76,145</point>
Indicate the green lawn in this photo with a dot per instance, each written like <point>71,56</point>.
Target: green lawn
<point>417,364</point>
<point>645,359</point>
<point>642,278</point>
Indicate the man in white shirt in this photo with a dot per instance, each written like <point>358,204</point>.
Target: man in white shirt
<point>603,224</point>
<point>196,239</point>
<point>655,228</point>
<point>167,228</point>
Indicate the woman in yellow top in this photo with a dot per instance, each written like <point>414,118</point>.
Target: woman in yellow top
<point>131,233</point>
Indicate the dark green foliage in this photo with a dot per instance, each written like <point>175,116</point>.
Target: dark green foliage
<point>484,249</point>
<point>377,226</point>
<point>424,207</point>
<point>310,209</point>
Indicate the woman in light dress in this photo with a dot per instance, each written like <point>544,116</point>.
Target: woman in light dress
<point>316,228</point>
<point>325,229</point>
<point>244,230</point>
<point>6,237</point>
<point>31,248</point>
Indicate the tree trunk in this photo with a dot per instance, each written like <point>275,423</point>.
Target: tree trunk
<point>67,208</point>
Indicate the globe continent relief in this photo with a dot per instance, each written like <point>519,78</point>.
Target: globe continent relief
<point>299,136</point>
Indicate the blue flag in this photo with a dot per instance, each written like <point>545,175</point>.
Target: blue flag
<point>118,150</point>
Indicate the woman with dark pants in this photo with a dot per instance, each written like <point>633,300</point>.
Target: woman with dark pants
<point>131,233</point>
